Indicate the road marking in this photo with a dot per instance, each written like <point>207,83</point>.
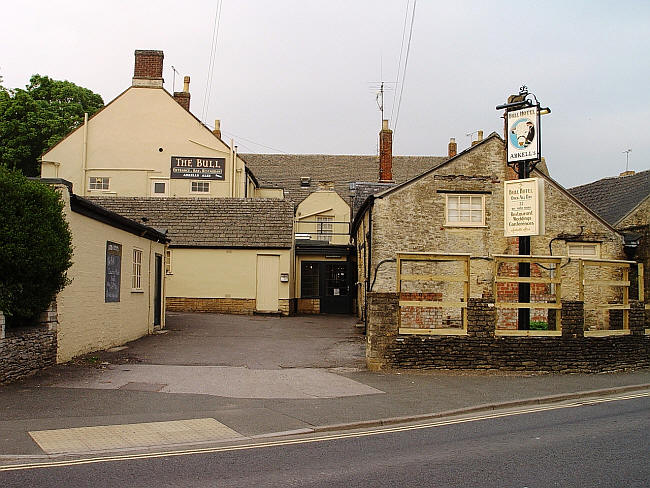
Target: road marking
<point>147,434</point>
<point>287,442</point>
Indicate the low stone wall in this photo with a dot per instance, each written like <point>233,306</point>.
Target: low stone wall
<point>238,306</point>
<point>26,350</point>
<point>308,305</point>
<point>481,348</point>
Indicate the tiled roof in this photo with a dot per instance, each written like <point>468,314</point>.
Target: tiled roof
<point>211,222</point>
<point>363,190</point>
<point>613,198</point>
<point>327,171</point>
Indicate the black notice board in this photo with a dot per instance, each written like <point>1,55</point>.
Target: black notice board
<point>113,272</point>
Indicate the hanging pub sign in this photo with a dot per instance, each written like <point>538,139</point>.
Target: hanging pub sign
<point>523,134</point>
<point>523,207</point>
<point>196,168</point>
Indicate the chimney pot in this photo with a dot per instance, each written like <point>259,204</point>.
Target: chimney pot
<point>385,153</point>
<point>186,84</point>
<point>217,128</point>
<point>148,69</point>
<point>453,148</point>
<point>480,136</point>
<point>183,98</point>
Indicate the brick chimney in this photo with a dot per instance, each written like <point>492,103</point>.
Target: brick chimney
<point>148,69</point>
<point>217,128</point>
<point>183,98</point>
<point>385,153</point>
<point>479,137</point>
<point>452,149</point>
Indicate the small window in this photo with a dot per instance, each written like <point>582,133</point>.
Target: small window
<point>168,261</point>
<point>136,276</point>
<point>583,249</point>
<point>305,181</point>
<point>324,228</point>
<point>98,183</point>
<point>465,210</point>
<point>200,187</point>
<point>159,187</point>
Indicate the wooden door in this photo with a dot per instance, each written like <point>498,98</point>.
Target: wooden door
<point>268,281</point>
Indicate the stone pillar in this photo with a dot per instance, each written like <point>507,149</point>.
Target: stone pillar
<point>50,318</point>
<point>2,325</point>
<point>383,327</point>
<point>573,318</point>
<point>637,318</point>
<point>481,317</point>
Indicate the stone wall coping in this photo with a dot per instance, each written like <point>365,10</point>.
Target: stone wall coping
<point>442,331</point>
<point>528,333</point>
<point>606,333</point>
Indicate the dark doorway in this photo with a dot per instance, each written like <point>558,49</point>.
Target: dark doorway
<point>157,293</point>
<point>328,281</point>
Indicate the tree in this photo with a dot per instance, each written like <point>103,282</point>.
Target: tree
<point>35,246</point>
<point>34,119</point>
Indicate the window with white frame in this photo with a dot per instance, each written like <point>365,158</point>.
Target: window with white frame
<point>136,275</point>
<point>168,261</point>
<point>159,188</point>
<point>200,187</point>
<point>98,183</point>
<point>465,210</point>
<point>324,228</point>
<point>583,249</point>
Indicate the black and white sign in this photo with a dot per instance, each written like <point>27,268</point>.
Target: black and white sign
<point>523,135</point>
<point>198,168</point>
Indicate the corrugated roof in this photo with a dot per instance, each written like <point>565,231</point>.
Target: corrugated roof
<point>211,222</point>
<point>334,172</point>
<point>613,198</point>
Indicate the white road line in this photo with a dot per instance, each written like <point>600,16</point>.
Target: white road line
<point>287,442</point>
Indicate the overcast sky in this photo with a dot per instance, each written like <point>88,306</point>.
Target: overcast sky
<point>301,76</point>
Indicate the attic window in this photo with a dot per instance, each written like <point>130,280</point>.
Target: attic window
<point>305,181</point>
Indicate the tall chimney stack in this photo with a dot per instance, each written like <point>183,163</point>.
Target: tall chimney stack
<point>217,128</point>
<point>183,98</point>
<point>385,153</point>
<point>452,148</point>
<point>148,69</point>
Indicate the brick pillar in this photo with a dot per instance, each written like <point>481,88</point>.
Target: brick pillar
<point>148,68</point>
<point>183,99</point>
<point>573,318</point>
<point>481,317</point>
<point>2,325</point>
<point>383,310</point>
<point>637,318</point>
<point>385,153</point>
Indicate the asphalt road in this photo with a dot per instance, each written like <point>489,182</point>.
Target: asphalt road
<point>595,445</point>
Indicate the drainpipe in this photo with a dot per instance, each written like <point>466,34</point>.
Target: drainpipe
<point>84,156</point>
<point>369,261</point>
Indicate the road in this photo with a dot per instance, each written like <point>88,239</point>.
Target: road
<point>598,444</point>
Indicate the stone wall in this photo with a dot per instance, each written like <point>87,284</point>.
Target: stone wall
<point>481,348</point>
<point>308,305</point>
<point>240,306</point>
<point>26,350</point>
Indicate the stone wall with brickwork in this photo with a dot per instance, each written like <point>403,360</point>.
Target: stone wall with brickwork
<point>482,349</point>
<point>240,306</point>
<point>308,305</point>
<point>26,350</point>
<point>412,219</point>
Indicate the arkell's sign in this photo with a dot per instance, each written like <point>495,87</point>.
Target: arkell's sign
<point>523,207</point>
<point>196,168</point>
<point>523,135</point>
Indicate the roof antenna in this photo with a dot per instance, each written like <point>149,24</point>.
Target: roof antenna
<point>174,79</point>
<point>627,158</point>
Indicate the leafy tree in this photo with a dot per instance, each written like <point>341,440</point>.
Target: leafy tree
<point>35,246</point>
<point>34,119</point>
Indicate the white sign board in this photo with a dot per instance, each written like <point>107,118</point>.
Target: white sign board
<point>523,135</point>
<point>523,207</point>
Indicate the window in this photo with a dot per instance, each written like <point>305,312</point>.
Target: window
<point>200,187</point>
<point>583,249</point>
<point>309,279</point>
<point>465,210</point>
<point>136,276</point>
<point>168,262</point>
<point>98,183</point>
<point>324,227</point>
<point>159,187</point>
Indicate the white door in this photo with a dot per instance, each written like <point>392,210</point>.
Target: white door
<point>268,278</point>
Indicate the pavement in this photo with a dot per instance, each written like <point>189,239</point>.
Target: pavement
<point>211,378</point>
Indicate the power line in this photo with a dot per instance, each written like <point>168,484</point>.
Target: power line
<point>235,136</point>
<point>401,49</point>
<point>213,53</point>
<point>406,61</point>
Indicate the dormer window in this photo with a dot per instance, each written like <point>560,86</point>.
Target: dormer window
<point>305,181</point>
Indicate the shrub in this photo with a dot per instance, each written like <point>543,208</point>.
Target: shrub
<point>35,247</point>
<point>538,325</point>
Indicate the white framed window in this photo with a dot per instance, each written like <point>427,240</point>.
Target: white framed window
<point>98,183</point>
<point>168,261</point>
<point>200,187</point>
<point>136,274</point>
<point>159,188</point>
<point>583,249</point>
<point>324,228</point>
<point>464,210</point>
